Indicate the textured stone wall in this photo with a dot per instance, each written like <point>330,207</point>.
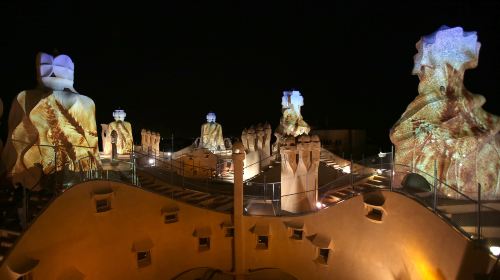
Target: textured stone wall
<point>445,123</point>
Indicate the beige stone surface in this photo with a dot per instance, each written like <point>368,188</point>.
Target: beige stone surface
<point>144,140</point>
<point>124,140</point>
<point>291,122</point>
<point>200,163</point>
<point>257,143</point>
<point>410,243</point>
<point>150,142</point>
<point>71,235</point>
<point>211,136</point>
<point>445,123</point>
<point>155,142</point>
<point>52,127</point>
<point>47,127</point>
<point>299,173</point>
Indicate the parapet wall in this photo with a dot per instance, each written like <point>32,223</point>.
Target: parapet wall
<point>408,242</point>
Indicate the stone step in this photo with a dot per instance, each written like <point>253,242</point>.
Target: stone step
<point>486,232</point>
<point>366,184</point>
<point>198,199</point>
<point>219,201</point>
<point>488,219</point>
<point>339,195</point>
<point>9,233</point>
<point>159,188</point>
<point>493,241</point>
<point>330,199</point>
<point>346,192</point>
<point>146,182</point>
<point>466,207</point>
<point>225,207</point>
<point>7,242</point>
<point>3,252</point>
<point>381,178</point>
<point>207,201</point>
<point>148,185</point>
<point>190,195</point>
<point>166,192</point>
<point>180,194</point>
<point>376,181</point>
<point>361,188</point>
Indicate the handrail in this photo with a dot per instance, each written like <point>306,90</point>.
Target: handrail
<point>394,166</point>
<point>365,168</point>
<point>438,180</point>
<point>260,161</point>
<point>173,160</point>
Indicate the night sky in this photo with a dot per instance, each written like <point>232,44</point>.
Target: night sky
<point>168,65</point>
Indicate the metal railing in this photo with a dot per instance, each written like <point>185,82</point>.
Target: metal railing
<point>179,172</point>
<point>457,208</point>
<point>62,177</point>
<point>441,198</point>
<point>466,214</point>
<point>57,169</point>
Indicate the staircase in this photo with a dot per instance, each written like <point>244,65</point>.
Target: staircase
<point>460,212</point>
<point>7,240</point>
<point>332,161</point>
<point>214,201</point>
<point>37,202</point>
<point>361,185</point>
<point>465,214</point>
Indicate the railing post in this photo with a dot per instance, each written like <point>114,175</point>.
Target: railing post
<point>182,174</point>
<point>25,207</point>
<point>134,171</point>
<point>279,203</point>
<point>55,166</point>
<point>352,175</point>
<point>435,187</point>
<point>265,188</point>
<point>272,201</point>
<point>411,166</point>
<point>393,168</point>
<point>479,211</point>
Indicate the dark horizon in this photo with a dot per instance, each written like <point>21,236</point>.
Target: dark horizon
<point>168,66</point>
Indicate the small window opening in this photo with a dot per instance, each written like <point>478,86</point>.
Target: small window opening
<point>171,218</point>
<point>323,255</point>
<point>229,232</point>
<point>262,242</point>
<point>297,234</point>
<point>143,258</point>
<point>375,214</point>
<point>102,205</point>
<point>204,243</point>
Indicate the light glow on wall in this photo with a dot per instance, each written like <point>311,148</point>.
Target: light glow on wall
<point>423,268</point>
<point>346,169</point>
<point>495,250</point>
<point>320,205</point>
